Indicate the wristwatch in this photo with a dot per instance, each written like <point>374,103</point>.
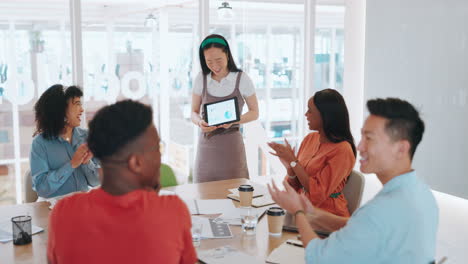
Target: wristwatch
<point>294,163</point>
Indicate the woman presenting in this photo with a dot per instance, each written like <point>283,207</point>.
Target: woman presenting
<point>221,152</point>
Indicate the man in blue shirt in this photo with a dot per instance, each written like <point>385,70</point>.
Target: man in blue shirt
<point>60,160</point>
<point>399,224</point>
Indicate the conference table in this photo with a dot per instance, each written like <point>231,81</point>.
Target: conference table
<point>259,245</point>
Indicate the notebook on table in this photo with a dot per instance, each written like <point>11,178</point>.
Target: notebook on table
<point>261,197</point>
<point>258,201</point>
<point>226,255</point>
<point>291,251</point>
<point>259,190</point>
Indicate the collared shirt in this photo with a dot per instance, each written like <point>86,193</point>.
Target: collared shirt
<point>226,86</point>
<point>51,170</point>
<point>398,225</point>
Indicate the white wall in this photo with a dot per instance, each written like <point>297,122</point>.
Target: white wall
<point>418,50</point>
<point>355,36</point>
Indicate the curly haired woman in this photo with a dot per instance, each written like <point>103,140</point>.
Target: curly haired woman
<point>60,160</point>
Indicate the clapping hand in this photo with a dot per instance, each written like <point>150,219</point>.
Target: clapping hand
<point>288,199</point>
<point>284,152</point>
<point>81,154</point>
<point>88,156</point>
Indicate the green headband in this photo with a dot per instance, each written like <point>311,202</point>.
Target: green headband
<point>213,40</point>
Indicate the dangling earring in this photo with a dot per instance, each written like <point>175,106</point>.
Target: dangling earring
<point>65,120</point>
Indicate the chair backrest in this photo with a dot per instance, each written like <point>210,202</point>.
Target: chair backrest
<point>30,195</point>
<point>168,177</point>
<point>353,190</point>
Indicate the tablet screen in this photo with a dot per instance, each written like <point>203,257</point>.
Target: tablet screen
<point>221,112</point>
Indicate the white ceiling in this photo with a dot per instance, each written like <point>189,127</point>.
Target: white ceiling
<point>180,11</point>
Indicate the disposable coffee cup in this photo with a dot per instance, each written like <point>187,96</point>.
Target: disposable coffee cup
<point>275,220</point>
<point>22,234</point>
<point>245,195</point>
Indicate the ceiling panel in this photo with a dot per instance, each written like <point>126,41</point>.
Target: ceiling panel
<point>102,11</point>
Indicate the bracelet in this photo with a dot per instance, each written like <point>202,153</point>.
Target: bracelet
<point>299,212</point>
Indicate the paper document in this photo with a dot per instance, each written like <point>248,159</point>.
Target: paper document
<point>290,251</point>
<point>261,196</point>
<point>213,228</point>
<point>261,201</point>
<point>6,230</point>
<point>226,255</point>
<point>54,200</point>
<point>233,217</point>
<point>166,192</point>
<point>213,206</point>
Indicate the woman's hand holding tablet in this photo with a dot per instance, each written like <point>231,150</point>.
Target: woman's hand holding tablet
<point>205,127</point>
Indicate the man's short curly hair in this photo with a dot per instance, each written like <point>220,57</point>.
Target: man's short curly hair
<point>51,108</point>
<point>116,125</point>
<point>403,122</point>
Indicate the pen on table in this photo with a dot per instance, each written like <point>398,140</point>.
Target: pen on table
<point>294,244</point>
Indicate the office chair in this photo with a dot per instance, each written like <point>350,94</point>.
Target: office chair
<point>30,195</point>
<point>168,178</point>
<point>353,190</point>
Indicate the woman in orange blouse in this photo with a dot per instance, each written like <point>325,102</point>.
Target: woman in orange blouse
<point>326,157</point>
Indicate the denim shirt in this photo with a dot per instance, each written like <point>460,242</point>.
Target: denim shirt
<point>51,170</point>
<point>398,225</point>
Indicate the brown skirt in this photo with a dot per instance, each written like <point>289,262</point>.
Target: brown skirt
<point>220,157</point>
